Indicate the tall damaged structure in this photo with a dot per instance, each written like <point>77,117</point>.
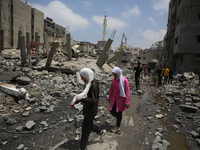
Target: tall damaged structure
<point>182,39</point>
<point>16,22</point>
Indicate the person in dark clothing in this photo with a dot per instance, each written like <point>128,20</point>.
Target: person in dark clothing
<point>171,73</point>
<point>159,73</point>
<point>137,71</point>
<point>90,99</point>
<point>149,71</point>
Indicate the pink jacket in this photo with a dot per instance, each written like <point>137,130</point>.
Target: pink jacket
<point>114,94</point>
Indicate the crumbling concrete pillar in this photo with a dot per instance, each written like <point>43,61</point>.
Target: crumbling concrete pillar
<point>54,46</point>
<point>37,40</point>
<point>18,44</point>
<point>103,56</point>
<point>46,42</point>
<point>69,51</point>
<point>23,51</point>
<point>2,40</point>
<point>117,55</point>
<point>28,49</point>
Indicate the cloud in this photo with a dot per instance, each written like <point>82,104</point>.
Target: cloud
<point>112,23</point>
<point>87,3</point>
<point>161,5</point>
<point>153,36</point>
<point>63,15</point>
<point>131,11</point>
<point>152,20</point>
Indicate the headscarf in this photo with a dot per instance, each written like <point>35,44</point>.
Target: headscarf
<point>89,75</point>
<point>118,71</point>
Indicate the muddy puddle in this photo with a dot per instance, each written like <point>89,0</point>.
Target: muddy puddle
<point>150,105</point>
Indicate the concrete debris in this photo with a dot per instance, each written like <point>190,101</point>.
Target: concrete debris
<point>12,90</point>
<point>29,125</point>
<point>53,82</point>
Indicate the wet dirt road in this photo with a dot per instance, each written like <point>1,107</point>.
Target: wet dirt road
<point>138,128</point>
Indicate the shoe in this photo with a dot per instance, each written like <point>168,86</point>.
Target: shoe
<point>102,136</point>
<point>115,129</point>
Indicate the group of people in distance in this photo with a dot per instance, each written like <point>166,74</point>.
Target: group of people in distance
<point>119,99</point>
<point>159,71</point>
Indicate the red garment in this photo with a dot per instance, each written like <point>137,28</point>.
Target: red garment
<point>114,94</point>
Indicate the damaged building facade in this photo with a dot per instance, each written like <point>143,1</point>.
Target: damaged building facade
<point>18,18</point>
<point>54,31</point>
<point>183,35</point>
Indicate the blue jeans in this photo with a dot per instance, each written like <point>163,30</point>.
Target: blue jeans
<point>137,81</point>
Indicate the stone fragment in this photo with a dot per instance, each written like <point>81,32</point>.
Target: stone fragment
<point>21,146</point>
<point>189,108</point>
<point>25,114</point>
<point>30,124</point>
<point>23,80</point>
<point>44,123</point>
<point>19,128</point>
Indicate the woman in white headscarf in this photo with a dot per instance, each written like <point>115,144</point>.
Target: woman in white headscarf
<point>119,95</point>
<point>90,99</point>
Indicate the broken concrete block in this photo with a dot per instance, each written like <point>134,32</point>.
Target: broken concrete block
<point>177,100</point>
<point>25,114</point>
<point>197,104</point>
<point>159,116</point>
<point>189,108</point>
<point>29,125</point>
<point>12,90</point>
<point>44,123</point>
<point>23,80</point>
<point>21,146</point>
<point>195,99</point>
<point>19,128</point>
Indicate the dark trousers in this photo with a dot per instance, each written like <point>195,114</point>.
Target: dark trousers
<point>137,81</point>
<point>165,79</point>
<point>170,79</point>
<point>117,115</point>
<point>159,79</point>
<point>88,126</point>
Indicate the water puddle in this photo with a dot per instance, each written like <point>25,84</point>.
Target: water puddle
<point>149,105</point>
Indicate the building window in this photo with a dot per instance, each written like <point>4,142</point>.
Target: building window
<point>176,40</point>
<point>198,38</point>
<point>196,57</point>
<point>179,2</point>
<point>181,59</point>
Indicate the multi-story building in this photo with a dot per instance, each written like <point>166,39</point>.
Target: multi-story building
<point>54,31</point>
<point>182,39</point>
<point>37,25</point>
<point>131,55</point>
<point>18,18</point>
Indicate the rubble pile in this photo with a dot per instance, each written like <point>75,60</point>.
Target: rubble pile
<point>180,110</point>
<point>34,100</point>
<point>27,92</point>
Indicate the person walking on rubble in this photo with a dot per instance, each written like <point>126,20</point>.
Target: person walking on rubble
<point>159,73</point>
<point>165,71</point>
<point>90,99</point>
<point>137,73</point>
<point>171,74</point>
<point>119,95</point>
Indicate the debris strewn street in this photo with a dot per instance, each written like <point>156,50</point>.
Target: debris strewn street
<point>35,113</point>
